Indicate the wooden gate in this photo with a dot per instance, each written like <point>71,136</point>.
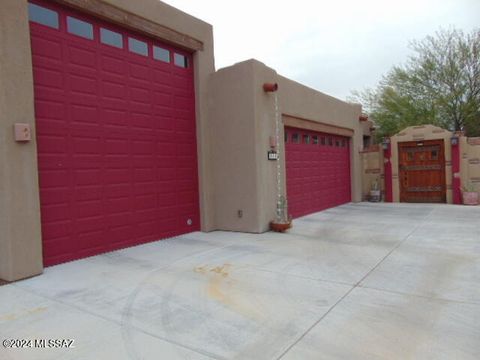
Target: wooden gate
<point>422,171</point>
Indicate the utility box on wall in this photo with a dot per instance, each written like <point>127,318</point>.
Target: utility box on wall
<point>22,132</point>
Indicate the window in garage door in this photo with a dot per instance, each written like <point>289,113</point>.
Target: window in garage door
<point>116,136</point>
<point>318,171</point>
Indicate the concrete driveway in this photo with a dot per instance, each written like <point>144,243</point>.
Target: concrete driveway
<point>360,281</point>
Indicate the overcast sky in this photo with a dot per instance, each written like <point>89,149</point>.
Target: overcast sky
<point>333,46</point>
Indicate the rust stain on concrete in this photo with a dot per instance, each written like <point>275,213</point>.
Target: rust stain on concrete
<point>225,290</point>
<point>12,317</point>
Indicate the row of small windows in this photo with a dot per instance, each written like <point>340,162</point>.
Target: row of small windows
<point>84,29</point>
<point>296,138</point>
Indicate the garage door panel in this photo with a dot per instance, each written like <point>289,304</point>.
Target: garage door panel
<point>86,161</point>
<point>82,85</point>
<point>168,200</point>
<point>164,123</point>
<point>86,177</point>
<point>112,65</point>
<point>116,147</point>
<point>144,147</point>
<point>163,80</point>
<point>144,202</point>
<point>140,95</point>
<point>119,205</point>
<point>89,224</point>
<point>144,175</point>
<point>121,234</point>
<point>110,89</point>
<point>142,162</point>
<point>115,123</point>
<point>117,189</point>
<point>48,110</point>
<point>47,64</point>
<point>58,249</point>
<point>53,144</point>
<point>85,144</point>
<point>88,209</point>
<point>56,196</point>
<point>54,178</point>
<point>81,58</point>
<point>138,109</point>
<point>46,47</point>
<point>168,226</point>
<point>163,110</point>
<point>49,78</point>
<point>181,83</point>
<point>162,99</point>
<point>318,171</point>
<point>118,219</point>
<point>139,72</point>
<point>87,192</point>
<point>59,229</point>
<point>187,197</point>
<point>143,120</point>
<point>110,119</point>
<point>181,125</point>
<point>89,243</point>
<point>57,212</point>
<point>145,230</point>
<point>115,163</point>
<point>83,113</point>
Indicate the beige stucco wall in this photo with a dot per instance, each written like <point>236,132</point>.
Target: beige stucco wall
<point>470,162</point>
<point>419,133</point>
<point>20,240</point>
<point>242,119</point>
<point>372,170</point>
<point>368,127</point>
<point>20,235</point>
<point>233,143</point>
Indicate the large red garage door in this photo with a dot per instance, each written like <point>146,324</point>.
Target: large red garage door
<point>116,138</point>
<point>318,171</point>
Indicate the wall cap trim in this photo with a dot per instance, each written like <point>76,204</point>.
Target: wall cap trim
<point>297,122</point>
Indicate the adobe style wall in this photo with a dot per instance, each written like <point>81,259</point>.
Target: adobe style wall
<point>302,102</point>
<point>470,162</point>
<point>372,170</point>
<point>242,119</point>
<point>20,235</point>
<point>232,140</point>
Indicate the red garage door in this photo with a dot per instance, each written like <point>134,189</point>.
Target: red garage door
<point>116,138</point>
<point>318,171</point>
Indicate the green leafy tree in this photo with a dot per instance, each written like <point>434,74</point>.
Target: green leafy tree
<point>439,85</point>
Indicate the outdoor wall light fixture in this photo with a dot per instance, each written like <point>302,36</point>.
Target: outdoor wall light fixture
<point>385,143</point>
<point>454,140</point>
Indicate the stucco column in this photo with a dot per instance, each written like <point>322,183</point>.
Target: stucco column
<point>20,230</point>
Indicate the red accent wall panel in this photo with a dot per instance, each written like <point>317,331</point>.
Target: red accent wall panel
<point>116,141</point>
<point>318,171</point>
<point>456,183</point>
<point>387,155</point>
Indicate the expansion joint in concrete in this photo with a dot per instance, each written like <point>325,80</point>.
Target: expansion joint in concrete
<point>354,286</point>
